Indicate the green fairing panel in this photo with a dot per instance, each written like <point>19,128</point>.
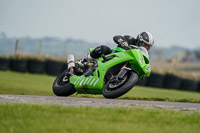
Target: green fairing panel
<point>141,66</point>
<point>91,49</point>
<point>118,49</point>
<point>91,84</point>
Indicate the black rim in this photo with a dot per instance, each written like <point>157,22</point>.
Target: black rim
<point>63,79</point>
<point>114,83</point>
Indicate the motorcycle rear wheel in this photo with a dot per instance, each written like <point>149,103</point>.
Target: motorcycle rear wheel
<point>62,86</point>
<point>127,85</point>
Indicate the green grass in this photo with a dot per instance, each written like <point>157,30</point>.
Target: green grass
<point>148,93</point>
<point>36,84</point>
<point>24,118</point>
<point>25,83</point>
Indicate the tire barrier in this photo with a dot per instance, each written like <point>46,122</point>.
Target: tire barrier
<point>198,87</point>
<point>4,64</point>
<point>142,82</point>
<point>19,65</point>
<point>155,80</point>
<point>171,81</point>
<point>53,68</point>
<point>64,67</point>
<point>189,85</point>
<point>36,66</point>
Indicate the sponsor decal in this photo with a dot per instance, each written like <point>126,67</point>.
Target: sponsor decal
<point>92,81</point>
<point>96,82</point>
<point>81,81</point>
<point>86,80</point>
<point>141,62</point>
<point>123,54</point>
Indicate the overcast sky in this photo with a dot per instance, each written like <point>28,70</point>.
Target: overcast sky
<point>170,21</point>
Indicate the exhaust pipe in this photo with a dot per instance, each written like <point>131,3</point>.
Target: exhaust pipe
<point>70,61</point>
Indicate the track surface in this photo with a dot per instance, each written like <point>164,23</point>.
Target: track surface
<point>96,102</point>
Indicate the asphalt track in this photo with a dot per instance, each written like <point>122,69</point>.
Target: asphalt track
<point>95,102</point>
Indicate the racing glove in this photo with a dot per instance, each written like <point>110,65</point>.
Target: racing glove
<point>123,44</point>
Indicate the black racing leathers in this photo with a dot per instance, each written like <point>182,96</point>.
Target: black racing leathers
<point>122,41</point>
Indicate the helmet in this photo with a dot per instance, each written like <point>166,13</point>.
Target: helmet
<point>145,39</point>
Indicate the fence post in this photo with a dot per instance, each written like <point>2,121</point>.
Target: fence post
<point>40,48</point>
<point>16,51</point>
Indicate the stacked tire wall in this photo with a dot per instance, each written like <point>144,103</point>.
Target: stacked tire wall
<point>155,80</point>
<point>187,84</point>
<point>36,66</point>
<point>54,68</point>
<point>170,81</point>
<point>50,67</point>
<point>19,65</point>
<point>4,63</point>
<point>198,88</point>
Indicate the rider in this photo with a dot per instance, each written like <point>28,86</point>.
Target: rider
<point>143,40</point>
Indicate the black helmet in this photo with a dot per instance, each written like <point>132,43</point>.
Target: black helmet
<point>145,37</point>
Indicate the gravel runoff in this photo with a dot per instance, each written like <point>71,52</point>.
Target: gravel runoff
<point>95,102</point>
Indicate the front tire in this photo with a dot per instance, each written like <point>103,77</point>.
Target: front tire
<point>112,91</point>
<point>62,86</point>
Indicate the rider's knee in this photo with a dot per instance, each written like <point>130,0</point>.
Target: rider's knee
<point>100,50</point>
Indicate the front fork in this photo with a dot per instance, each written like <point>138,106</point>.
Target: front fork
<point>123,71</point>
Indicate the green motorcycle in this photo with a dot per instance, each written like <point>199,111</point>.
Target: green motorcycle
<point>112,75</point>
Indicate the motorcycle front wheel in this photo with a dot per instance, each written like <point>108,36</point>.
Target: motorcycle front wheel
<point>114,89</point>
<point>62,86</point>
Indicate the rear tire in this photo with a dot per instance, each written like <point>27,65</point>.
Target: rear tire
<point>128,84</point>
<point>62,86</point>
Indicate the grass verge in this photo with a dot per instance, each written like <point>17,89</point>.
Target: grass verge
<point>25,83</point>
<point>36,84</point>
<point>23,118</point>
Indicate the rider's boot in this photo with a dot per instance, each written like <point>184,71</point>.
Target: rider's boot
<point>84,61</point>
<point>95,54</point>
